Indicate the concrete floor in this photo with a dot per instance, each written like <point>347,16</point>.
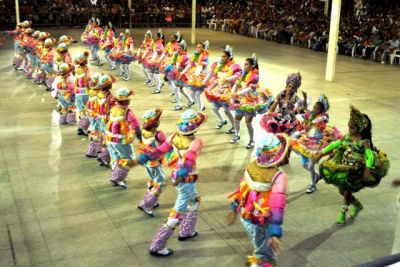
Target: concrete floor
<point>58,209</point>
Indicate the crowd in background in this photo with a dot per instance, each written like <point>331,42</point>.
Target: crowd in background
<point>369,30</point>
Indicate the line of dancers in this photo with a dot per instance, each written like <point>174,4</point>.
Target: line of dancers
<point>289,125</point>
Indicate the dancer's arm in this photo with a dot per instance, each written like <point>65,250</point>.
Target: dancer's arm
<point>332,146</point>
<point>368,156</point>
<point>236,73</point>
<point>277,203</point>
<point>134,124</point>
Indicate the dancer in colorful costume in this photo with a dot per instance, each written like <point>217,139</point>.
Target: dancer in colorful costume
<point>196,72</point>
<point>183,148</point>
<point>92,112</point>
<point>105,102</point>
<point>179,61</point>
<point>93,40</point>
<point>260,199</point>
<point>64,39</point>
<point>354,163</point>
<point>281,117</point>
<point>312,136</point>
<point>123,54</point>
<point>154,61</point>
<point>220,80</point>
<point>18,34</point>
<point>246,100</point>
<point>47,61</point>
<point>31,61</point>
<point>64,92</point>
<point>82,78</point>
<point>169,50</point>
<point>88,28</point>
<point>152,138</point>
<point>121,130</point>
<point>144,54</point>
<point>39,75</point>
<point>107,43</point>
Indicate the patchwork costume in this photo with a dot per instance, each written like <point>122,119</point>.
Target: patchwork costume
<point>182,149</point>
<point>260,198</point>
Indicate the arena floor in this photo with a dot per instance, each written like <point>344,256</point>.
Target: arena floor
<point>58,209</point>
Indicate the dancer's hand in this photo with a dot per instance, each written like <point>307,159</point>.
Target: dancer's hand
<point>275,245</point>
<point>132,163</point>
<point>316,158</point>
<point>366,174</point>
<point>231,217</point>
<point>304,95</point>
<point>143,158</point>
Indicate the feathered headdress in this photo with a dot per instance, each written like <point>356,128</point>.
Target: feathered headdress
<point>358,118</point>
<point>183,45</point>
<point>149,33</point>
<point>206,44</point>
<point>229,49</point>
<point>160,34</point>
<point>178,37</point>
<point>323,99</point>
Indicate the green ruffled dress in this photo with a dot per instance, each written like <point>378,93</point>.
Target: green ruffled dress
<point>345,166</point>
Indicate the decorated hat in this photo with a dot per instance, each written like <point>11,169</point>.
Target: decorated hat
<point>62,47</point>
<point>295,79</point>
<point>64,68</point>
<point>127,31</point>
<point>49,42</point>
<point>94,80</point>
<point>190,122</point>
<point>64,39</point>
<point>105,80</point>
<point>271,150</point>
<point>358,118</point>
<point>151,117</point>
<point>82,58</point>
<point>44,35</point>
<point>123,93</point>
<point>26,23</point>
<point>29,30</point>
<point>323,99</point>
<point>36,34</point>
